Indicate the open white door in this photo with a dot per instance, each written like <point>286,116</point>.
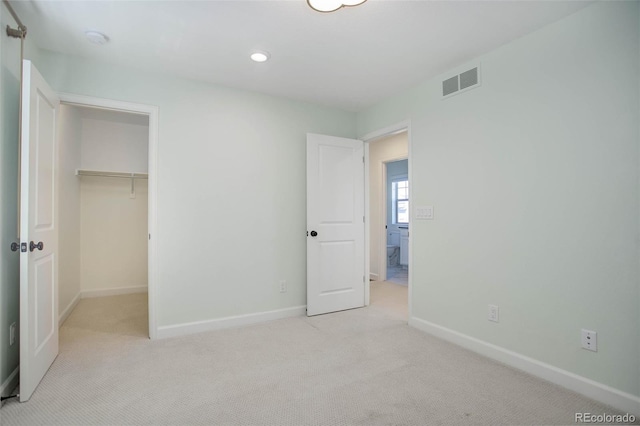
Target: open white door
<point>335,224</point>
<point>38,231</point>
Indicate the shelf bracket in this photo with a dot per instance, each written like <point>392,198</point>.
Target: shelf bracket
<point>132,194</point>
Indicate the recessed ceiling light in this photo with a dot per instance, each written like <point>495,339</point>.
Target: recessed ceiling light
<point>260,56</point>
<point>96,38</point>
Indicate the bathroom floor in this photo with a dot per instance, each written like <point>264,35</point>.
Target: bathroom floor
<point>398,275</point>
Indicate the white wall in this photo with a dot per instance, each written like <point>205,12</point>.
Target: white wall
<point>9,274</point>
<point>69,149</point>
<point>114,141</point>
<point>103,235</point>
<point>231,187</point>
<point>114,235</point>
<point>534,177</point>
<point>380,151</point>
<point>114,227</point>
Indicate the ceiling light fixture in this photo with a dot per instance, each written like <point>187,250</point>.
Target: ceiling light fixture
<point>260,56</point>
<point>96,38</point>
<point>332,5</point>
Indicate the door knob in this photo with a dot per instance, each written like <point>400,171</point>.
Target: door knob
<point>33,246</point>
<point>15,246</point>
<point>314,234</point>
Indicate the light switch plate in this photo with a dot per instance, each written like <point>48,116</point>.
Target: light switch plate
<point>424,213</point>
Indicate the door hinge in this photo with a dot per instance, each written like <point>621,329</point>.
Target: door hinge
<point>362,219</point>
<point>363,159</point>
<point>363,279</point>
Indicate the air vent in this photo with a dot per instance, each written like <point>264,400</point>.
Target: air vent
<point>461,82</point>
<point>450,86</point>
<point>469,78</point>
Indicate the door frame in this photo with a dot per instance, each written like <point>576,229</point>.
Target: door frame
<point>403,126</point>
<point>152,112</point>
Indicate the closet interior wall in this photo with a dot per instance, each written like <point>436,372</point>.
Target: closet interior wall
<point>103,226</point>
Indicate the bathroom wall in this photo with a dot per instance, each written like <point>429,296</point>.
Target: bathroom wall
<point>391,148</point>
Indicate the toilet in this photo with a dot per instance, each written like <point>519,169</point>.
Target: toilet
<point>393,248</point>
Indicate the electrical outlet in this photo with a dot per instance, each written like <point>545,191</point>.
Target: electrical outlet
<point>12,334</point>
<point>590,340</point>
<point>283,286</point>
<point>494,313</point>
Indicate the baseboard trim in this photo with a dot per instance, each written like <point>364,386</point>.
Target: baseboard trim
<point>373,277</point>
<point>228,322</point>
<point>11,382</point>
<point>600,392</point>
<point>87,294</point>
<point>65,314</point>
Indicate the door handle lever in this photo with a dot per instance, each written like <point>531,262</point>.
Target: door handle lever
<point>33,246</point>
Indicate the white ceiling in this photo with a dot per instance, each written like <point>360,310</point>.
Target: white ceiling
<point>349,59</point>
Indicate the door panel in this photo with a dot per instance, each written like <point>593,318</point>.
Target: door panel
<point>335,211</point>
<point>45,322</point>
<point>45,158</point>
<point>38,224</point>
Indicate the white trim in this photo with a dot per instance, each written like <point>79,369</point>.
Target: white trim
<point>153,113</point>
<point>600,392</point>
<point>367,226</point>
<point>373,276</point>
<point>10,384</point>
<point>229,322</point>
<point>387,131</point>
<point>108,104</point>
<point>101,292</point>
<point>67,311</point>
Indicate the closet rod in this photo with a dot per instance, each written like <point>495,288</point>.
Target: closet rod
<point>112,174</point>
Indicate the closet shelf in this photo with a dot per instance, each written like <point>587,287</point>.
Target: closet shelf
<point>124,175</point>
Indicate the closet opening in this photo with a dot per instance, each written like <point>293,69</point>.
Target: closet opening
<point>105,210</point>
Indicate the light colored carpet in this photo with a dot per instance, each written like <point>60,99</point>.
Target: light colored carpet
<point>358,367</point>
<point>390,298</point>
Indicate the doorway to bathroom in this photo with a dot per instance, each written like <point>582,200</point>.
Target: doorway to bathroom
<point>396,203</point>
<point>389,214</point>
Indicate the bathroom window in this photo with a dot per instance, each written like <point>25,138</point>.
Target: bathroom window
<point>401,201</point>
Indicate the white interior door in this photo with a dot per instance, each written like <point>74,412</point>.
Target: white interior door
<point>335,223</point>
<point>38,231</point>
